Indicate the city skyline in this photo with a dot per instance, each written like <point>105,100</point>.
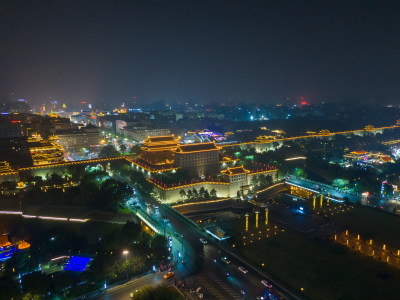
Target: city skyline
<point>231,52</point>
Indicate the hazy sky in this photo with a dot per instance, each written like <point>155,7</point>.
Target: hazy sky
<point>207,51</point>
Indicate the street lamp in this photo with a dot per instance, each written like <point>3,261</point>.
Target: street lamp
<point>125,252</point>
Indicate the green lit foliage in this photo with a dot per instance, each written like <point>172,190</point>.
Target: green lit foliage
<point>387,190</point>
<point>340,183</point>
<point>159,293</point>
<point>108,151</point>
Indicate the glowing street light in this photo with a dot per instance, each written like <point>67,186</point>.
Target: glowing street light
<point>125,252</point>
<point>257,212</point>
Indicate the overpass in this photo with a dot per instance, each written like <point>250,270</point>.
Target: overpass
<point>211,206</point>
<point>272,190</point>
<point>306,189</point>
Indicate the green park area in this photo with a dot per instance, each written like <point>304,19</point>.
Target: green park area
<point>158,293</point>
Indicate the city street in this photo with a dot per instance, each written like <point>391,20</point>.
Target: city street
<point>122,291</point>
<point>202,265</point>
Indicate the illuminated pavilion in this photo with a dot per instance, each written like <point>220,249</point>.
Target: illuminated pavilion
<point>158,150</point>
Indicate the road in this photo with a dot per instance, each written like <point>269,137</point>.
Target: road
<point>202,265</point>
<point>121,292</point>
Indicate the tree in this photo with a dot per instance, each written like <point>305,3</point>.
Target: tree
<point>202,192</point>
<point>136,150</point>
<point>189,194</point>
<point>112,195</point>
<point>254,181</point>
<point>9,186</point>
<point>300,173</point>
<point>195,193</point>
<point>158,292</point>
<point>108,151</point>
<point>182,193</point>
<point>213,194</point>
<point>206,195</point>
<point>76,172</point>
<point>122,148</point>
<point>142,186</point>
<point>159,246</point>
<point>387,190</point>
<point>340,183</point>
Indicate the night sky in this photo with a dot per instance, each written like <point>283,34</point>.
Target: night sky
<point>205,51</point>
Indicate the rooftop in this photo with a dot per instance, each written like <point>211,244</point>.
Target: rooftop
<point>197,147</point>
<point>359,152</point>
<point>235,171</point>
<point>156,139</point>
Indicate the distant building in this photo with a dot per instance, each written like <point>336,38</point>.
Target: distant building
<point>5,167</point>
<point>368,157</point>
<point>78,139</point>
<point>115,123</point>
<point>196,155</point>
<point>10,129</point>
<point>140,133</point>
<point>16,152</point>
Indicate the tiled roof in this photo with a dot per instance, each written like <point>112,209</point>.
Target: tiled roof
<point>197,147</point>
<point>167,138</point>
<point>235,171</point>
<point>359,152</point>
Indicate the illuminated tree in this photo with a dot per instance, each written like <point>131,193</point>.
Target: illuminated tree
<point>122,148</point>
<point>202,192</point>
<point>195,193</point>
<point>213,194</point>
<point>387,190</point>
<point>108,151</point>
<point>340,183</point>
<point>182,193</point>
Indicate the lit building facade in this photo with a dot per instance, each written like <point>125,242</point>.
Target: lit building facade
<point>237,174</point>
<point>140,133</point>
<point>197,155</point>
<point>45,152</point>
<point>159,149</point>
<point>86,139</point>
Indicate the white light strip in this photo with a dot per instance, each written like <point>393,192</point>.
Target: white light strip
<point>217,237</point>
<point>10,212</point>
<point>57,258</point>
<point>52,218</point>
<point>79,220</point>
<point>29,216</point>
<point>147,223</point>
<point>294,158</point>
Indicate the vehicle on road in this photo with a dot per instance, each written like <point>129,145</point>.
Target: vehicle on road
<point>226,260</point>
<point>243,270</point>
<point>133,293</point>
<point>169,275</point>
<point>266,284</point>
<point>203,241</point>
